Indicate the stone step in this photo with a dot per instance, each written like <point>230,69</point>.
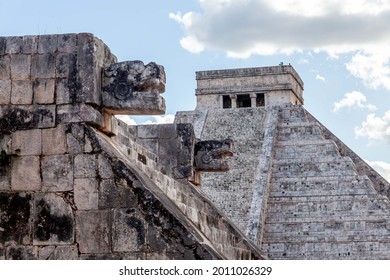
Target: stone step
<point>333,232</point>
<point>299,131</point>
<point>332,166</point>
<point>327,159</point>
<point>310,148</point>
<point>326,225</point>
<point>326,203</point>
<point>326,214</point>
<point>336,178</point>
<point>292,113</point>
<point>301,191</point>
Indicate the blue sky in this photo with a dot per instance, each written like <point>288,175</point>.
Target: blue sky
<point>339,48</point>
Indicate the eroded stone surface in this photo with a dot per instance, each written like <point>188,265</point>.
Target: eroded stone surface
<point>53,220</point>
<point>25,173</point>
<point>93,238</point>
<point>15,211</point>
<point>57,173</point>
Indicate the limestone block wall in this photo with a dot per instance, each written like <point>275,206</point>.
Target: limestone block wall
<point>69,191</point>
<point>319,206</point>
<point>216,227</point>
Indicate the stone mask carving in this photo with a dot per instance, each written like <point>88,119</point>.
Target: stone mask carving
<point>133,88</point>
<point>213,155</point>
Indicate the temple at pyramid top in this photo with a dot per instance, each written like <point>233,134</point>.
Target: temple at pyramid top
<point>248,87</point>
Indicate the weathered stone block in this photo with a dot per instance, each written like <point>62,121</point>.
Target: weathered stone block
<point>128,231</point>
<point>57,173</point>
<point>3,45</point>
<point>5,92</point>
<point>93,237</point>
<point>86,193</point>
<point>104,167</point>
<point>65,65</point>
<point>63,94</point>
<point>116,194</point>
<point>43,66</point>
<point>14,44</point>
<point>5,177</point>
<point>108,194</point>
<point>27,142</point>
<point>30,44</point>
<point>167,153</point>
<point>54,140</point>
<point>167,131</point>
<point>44,91</point>
<point>58,253</point>
<point>147,131</point>
<point>14,219</point>
<point>81,113</point>
<point>75,140</point>
<point>5,70</point>
<point>67,43</point>
<point>47,43</point>
<point>26,117</point>
<point>22,92</point>
<point>150,144</point>
<point>53,220</point>
<point>20,66</point>
<point>86,57</point>
<point>85,166</point>
<point>25,175</point>
<point>74,145</point>
<point>46,113</point>
<point>15,252</point>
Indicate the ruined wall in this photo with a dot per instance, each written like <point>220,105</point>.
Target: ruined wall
<point>216,227</point>
<point>73,183</point>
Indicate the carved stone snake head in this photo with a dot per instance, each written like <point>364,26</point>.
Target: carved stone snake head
<point>213,156</point>
<point>132,88</point>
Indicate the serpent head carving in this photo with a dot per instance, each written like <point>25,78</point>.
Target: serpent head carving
<point>132,88</point>
<point>213,155</point>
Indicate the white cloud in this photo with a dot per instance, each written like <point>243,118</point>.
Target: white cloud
<point>372,68</point>
<point>354,99</point>
<point>156,119</point>
<point>161,119</point>
<point>375,128</point>
<point>381,167</point>
<point>126,119</point>
<point>303,61</point>
<point>320,78</point>
<point>242,28</point>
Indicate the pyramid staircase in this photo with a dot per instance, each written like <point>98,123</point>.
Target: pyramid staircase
<point>319,207</point>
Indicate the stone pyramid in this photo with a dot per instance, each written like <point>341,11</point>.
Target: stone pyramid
<point>249,174</point>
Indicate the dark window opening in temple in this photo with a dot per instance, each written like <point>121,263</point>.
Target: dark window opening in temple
<point>260,100</point>
<point>243,101</point>
<point>226,101</point>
